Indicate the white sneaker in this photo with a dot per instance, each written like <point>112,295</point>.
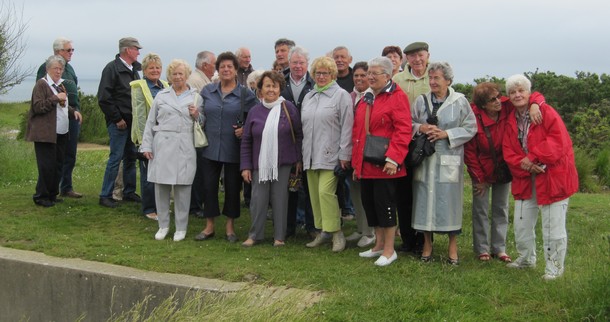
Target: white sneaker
<point>366,241</point>
<point>520,265</point>
<point>179,235</point>
<point>160,235</point>
<point>354,236</point>
<point>549,277</point>
<point>371,253</point>
<point>384,261</point>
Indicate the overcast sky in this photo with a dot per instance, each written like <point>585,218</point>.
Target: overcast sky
<point>477,37</point>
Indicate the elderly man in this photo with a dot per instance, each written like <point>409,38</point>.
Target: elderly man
<point>205,66</point>
<point>414,81</point>
<point>345,74</point>
<point>298,83</point>
<point>244,59</point>
<point>282,48</point>
<point>114,98</point>
<point>63,47</point>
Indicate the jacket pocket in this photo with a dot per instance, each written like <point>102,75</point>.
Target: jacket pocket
<point>450,168</point>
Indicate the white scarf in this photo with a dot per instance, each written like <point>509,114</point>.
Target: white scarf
<point>268,156</point>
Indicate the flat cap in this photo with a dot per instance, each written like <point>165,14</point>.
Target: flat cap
<point>416,46</point>
<point>129,42</point>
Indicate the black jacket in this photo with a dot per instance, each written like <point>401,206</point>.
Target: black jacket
<point>114,92</point>
<point>287,92</point>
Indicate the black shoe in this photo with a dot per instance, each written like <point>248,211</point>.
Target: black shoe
<point>203,236</point>
<point>57,200</point>
<point>109,202</point>
<point>231,238</point>
<point>197,213</point>
<point>133,197</point>
<point>44,202</point>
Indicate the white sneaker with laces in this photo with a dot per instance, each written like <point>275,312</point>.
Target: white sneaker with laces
<point>179,235</point>
<point>366,241</point>
<point>160,235</point>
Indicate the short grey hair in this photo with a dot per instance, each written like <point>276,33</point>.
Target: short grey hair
<point>55,59</point>
<point>341,48</point>
<point>298,50</point>
<point>203,57</point>
<point>444,67</point>
<point>384,62</point>
<point>254,77</point>
<point>240,51</point>
<point>59,43</point>
<point>518,80</point>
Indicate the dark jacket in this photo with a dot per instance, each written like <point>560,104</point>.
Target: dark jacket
<point>242,75</point>
<point>42,117</point>
<point>221,114</point>
<point>70,83</point>
<point>114,92</point>
<point>347,82</point>
<point>287,92</point>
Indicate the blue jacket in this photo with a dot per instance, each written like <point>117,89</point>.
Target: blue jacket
<point>220,116</point>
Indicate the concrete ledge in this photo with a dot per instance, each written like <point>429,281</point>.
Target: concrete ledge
<point>37,287</point>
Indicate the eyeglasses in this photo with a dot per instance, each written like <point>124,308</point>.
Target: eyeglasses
<point>374,73</point>
<point>322,74</point>
<point>493,99</point>
<point>71,50</point>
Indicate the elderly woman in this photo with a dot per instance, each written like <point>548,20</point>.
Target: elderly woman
<point>226,104</point>
<point>327,116</point>
<point>541,160</point>
<point>47,127</point>
<point>365,235</point>
<point>386,109</point>
<point>143,92</point>
<point>395,55</point>
<point>167,143</point>
<point>270,147</point>
<point>446,118</point>
<point>485,161</point>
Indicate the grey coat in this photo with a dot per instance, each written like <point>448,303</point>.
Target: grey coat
<point>327,118</point>
<point>169,136</point>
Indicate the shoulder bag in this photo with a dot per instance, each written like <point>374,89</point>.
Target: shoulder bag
<point>501,171</point>
<point>420,147</point>
<point>375,147</point>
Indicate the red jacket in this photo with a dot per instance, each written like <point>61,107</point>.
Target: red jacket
<point>477,154</point>
<point>390,117</point>
<point>548,143</point>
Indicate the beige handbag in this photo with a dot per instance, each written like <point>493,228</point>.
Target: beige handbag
<point>199,137</point>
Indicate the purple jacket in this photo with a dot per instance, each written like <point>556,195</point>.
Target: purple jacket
<point>289,152</point>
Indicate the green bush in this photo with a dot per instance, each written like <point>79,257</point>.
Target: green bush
<point>93,129</point>
<point>602,167</point>
<point>585,166</point>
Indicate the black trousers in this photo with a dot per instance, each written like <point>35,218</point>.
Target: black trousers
<point>379,201</point>
<point>197,187</point>
<point>411,239</point>
<point>50,160</point>
<point>232,183</point>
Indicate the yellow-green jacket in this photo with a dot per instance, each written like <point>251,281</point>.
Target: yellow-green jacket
<point>141,101</point>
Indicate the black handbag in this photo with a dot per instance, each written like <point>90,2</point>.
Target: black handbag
<point>420,147</point>
<point>375,147</point>
<point>501,171</point>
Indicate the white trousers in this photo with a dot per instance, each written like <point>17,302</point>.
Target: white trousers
<point>182,202</point>
<point>554,235</point>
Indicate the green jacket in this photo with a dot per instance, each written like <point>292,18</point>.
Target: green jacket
<point>411,86</point>
<point>70,82</point>
<point>141,101</point>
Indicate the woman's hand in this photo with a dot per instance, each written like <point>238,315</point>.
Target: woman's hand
<point>148,155</point>
<point>238,131</point>
<point>479,188</point>
<point>193,112</point>
<point>298,168</point>
<point>62,98</point>
<point>390,168</point>
<point>535,115</point>
<point>344,164</point>
<point>434,133</point>
<point>247,176</point>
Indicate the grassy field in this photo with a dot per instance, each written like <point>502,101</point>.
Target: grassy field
<point>354,289</point>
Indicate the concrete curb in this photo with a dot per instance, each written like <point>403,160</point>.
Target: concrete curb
<point>37,287</point>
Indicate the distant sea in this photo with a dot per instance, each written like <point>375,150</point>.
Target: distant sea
<point>23,91</point>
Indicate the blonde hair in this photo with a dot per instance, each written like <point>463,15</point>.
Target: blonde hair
<point>324,62</point>
<point>175,63</point>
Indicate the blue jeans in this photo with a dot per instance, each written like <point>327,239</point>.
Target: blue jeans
<point>121,148</point>
<point>147,189</point>
<point>65,178</point>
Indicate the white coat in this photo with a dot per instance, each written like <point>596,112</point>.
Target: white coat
<point>169,136</point>
<point>438,183</point>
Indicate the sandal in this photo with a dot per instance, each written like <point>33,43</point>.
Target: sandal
<point>484,257</point>
<point>504,258</point>
<point>249,243</point>
<point>453,261</point>
<point>426,259</point>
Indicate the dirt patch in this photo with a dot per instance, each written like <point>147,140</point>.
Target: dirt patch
<point>92,146</point>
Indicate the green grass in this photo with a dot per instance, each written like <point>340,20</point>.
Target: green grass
<point>354,289</point>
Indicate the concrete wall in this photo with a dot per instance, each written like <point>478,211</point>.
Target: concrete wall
<point>37,287</point>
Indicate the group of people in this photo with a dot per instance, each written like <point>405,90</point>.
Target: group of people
<point>296,140</point>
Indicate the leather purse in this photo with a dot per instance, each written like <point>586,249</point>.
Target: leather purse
<point>375,147</point>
